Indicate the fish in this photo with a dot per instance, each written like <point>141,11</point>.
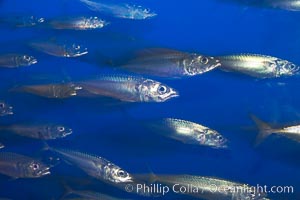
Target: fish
<point>42,132</point>
<point>259,66</point>
<point>16,60</point>
<point>23,21</point>
<point>1,146</point>
<point>289,5</point>
<point>128,88</point>
<point>56,91</point>
<point>53,48</point>
<point>78,23</point>
<point>97,167</point>
<point>208,188</point>
<point>5,109</point>
<point>170,63</point>
<point>265,130</point>
<point>121,10</point>
<point>188,132</point>
<point>20,166</point>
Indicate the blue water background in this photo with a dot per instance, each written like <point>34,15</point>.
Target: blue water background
<point>216,99</point>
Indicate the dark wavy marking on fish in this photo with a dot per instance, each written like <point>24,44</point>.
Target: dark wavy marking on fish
<point>188,132</point>
<point>20,166</point>
<point>42,132</point>
<point>120,10</point>
<point>5,109</point>
<point>78,23</point>
<point>16,60</point>
<point>170,63</point>
<point>59,49</point>
<point>128,88</point>
<point>57,91</point>
<point>259,66</point>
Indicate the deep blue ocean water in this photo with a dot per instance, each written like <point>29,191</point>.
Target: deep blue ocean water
<point>216,99</point>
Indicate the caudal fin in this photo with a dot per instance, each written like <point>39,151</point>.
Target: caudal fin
<point>264,129</point>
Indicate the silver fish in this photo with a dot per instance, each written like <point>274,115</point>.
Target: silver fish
<point>58,49</point>
<point>259,66</point>
<point>189,132</point>
<point>16,60</point>
<point>1,146</point>
<point>57,91</point>
<point>209,188</point>
<point>20,166</point>
<point>170,63</point>
<point>23,21</point>
<point>5,109</point>
<point>265,130</point>
<point>42,132</point>
<point>78,23</point>
<point>129,88</point>
<point>124,11</point>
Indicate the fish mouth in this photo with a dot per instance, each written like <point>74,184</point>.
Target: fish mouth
<point>172,94</point>
<point>33,61</point>
<point>69,132</point>
<point>44,172</point>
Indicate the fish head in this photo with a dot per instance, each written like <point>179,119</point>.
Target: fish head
<point>5,109</point>
<point>287,68</point>
<point>59,131</point>
<point>75,50</point>
<point>35,169</point>
<point>28,21</point>
<point>94,23</point>
<point>25,60</point>
<point>118,175</point>
<point>153,91</point>
<point>209,137</point>
<point>199,64</point>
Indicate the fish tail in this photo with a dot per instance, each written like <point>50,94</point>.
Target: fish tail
<point>265,129</point>
<point>67,190</point>
<point>152,176</point>
<point>46,147</point>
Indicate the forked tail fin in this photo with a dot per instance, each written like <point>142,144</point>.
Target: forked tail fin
<point>264,129</point>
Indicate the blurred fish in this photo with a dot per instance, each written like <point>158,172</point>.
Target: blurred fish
<point>58,49</point>
<point>22,21</point>
<point>129,88</point>
<point>170,63</point>
<point>78,23</point>
<point>189,132</point>
<point>16,60</point>
<point>1,146</point>
<point>290,5</point>
<point>265,130</point>
<point>120,10</point>
<point>259,66</point>
<point>209,188</point>
<point>5,109</point>
<point>58,91</point>
<point>42,132</point>
<point>19,166</point>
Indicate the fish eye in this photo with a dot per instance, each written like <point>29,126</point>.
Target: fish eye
<point>121,173</point>
<point>35,166</point>
<point>162,89</point>
<point>2,105</point>
<point>204,60</point>
<point>60,128</point>
<point>76,47</point>
<point>26,57</point>
<point>293,67</point>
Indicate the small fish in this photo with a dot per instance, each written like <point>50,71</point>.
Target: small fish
<point>189,132</point>
<point>42,132</point>
<point>259,66</point>
<point>5,109</point>
<point>209,188</point>
<point>23,21</point>
<point>265,130</point>
<point>1,146</point>
<point>78,23</point>
<point>129,88</point>
<point>20,166</point>
<point>170,63</point>
<point>120,10</point>
<point>58,91</point>
<point>16,60</point>
<point>60,50</point>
